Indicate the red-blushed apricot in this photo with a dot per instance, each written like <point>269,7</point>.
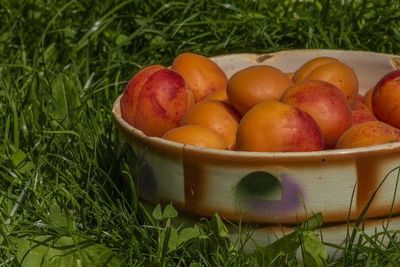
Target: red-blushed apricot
<point>272,126</point>
<point>218,95</point>
<point>325,103</point>
<point>367,99</point>
<point>368,134</point>
<point>302,72</point>
<point>129,99</point>
<point>340,75</point>
<point>361,113</point>
<point>196,136</point>
<point>216,115</point>
<point>385,99</point>
<point>360,106</point>
<point>155,100</point>
<point>255,84</point>
<point>202,75</point>
<point>360,117</point>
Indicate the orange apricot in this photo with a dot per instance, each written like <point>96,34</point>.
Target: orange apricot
<point>196,136</point>
<point>255,84</point>
<point>302,72</point>
<point>385,99</point>
<point>290,75</point>
<point>218,95</point>
<point>367,99</point>
<point>272,126</point>
<point>368,134</point>
<point>202,75</point>
<point>216,115</point>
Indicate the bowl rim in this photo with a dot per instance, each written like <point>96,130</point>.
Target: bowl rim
<point>260,58</point>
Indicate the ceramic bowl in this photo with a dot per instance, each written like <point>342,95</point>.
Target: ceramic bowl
<point>272,188</point>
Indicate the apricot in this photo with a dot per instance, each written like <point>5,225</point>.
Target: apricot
<point>361,113</point>
<point>302,72</point>
<point>290,75</point>
<point>325,103</point>
<point>272,126</point>
<point>202,75</point>
<point>360,106</point>
<point>385,99</point>
<point>215,115</point>
<point>340,75</point>
<point>367,99</point>
<point>218,95</point>
<point>155,100</point>
<point>196,136</point>
<point>368,134</point>
<point>132,91</point>
<point>360,117</point>
<point>255,84</point>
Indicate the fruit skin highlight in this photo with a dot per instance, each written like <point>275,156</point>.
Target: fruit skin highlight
<point>202,75</point>
<point>196,136</point>
<point>215,115</point>
<point>255,84</point>
<point>385,99</point>
<point>272,126</point>
<point>155,100</point>
<point>325,103</point>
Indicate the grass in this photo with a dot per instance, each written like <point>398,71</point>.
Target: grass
<point>63,63</point>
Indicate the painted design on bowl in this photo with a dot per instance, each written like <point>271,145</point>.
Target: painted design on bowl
<point>263,192</point>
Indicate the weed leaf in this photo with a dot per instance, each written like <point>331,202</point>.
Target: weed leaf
<point>288,245</point>
<point>47,251</point>
<point>57,217</point>
<point>284,246</point>
<point>173,241</point>
<point>188,233</point>
<point>18,157</point>
<point>219,227</point>
<point>19,160</point>
<point>312,223</point>
<point>157,214</point>
<point>169,212</point>
<point>313,250</point>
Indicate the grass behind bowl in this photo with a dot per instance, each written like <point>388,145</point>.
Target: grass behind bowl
<point>63,63</point>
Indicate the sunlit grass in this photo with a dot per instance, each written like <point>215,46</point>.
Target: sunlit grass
<point>63,63</point>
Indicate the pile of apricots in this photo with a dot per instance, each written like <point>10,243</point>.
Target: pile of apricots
<point>260,108</point>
